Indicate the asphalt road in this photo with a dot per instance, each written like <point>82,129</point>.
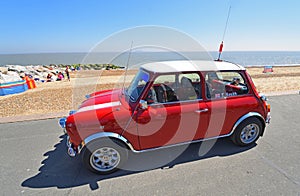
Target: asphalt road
<point>33,161</point>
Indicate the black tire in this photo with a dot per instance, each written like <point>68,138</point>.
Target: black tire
<point>104,156</point>
<point>247,132</point>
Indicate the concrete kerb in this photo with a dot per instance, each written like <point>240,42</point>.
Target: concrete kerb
<point>32,117</point>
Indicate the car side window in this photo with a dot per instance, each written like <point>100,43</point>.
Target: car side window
<point>174,88</point>
<point>189,87</point>
<point>162,90</point>
<point>225,84</point>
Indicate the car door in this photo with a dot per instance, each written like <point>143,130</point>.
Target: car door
<point>172,120</point>
<point>226,103</point>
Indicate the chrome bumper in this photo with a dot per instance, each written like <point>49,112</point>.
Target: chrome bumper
<point>71,151</point>
<point>268,119</point>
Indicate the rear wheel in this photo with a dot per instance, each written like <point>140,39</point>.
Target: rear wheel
<point>247,132</point>
<point>105,156</point>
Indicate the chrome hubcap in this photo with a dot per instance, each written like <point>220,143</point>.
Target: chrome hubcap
<point>249,133</point>
<point>105,159</point>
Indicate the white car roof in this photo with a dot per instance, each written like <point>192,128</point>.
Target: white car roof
<point>186,66</point>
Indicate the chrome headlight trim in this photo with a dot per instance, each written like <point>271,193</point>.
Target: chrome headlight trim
<point>62,122</point>
<point>72,112</point>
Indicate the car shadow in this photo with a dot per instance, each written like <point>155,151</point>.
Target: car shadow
<point>61,171</point>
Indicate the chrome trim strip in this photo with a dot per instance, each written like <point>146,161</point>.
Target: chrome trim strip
<point>175,102</point>
<point>117,136</point>
<point>86,141</point>
<point>250,114</point>
<point>180,144</point>
<point>106,135</point>
<point>201,110</point>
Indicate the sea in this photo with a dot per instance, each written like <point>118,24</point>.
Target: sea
<point>244,58</point>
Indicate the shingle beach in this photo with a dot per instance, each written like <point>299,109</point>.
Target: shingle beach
<point>54,99</point>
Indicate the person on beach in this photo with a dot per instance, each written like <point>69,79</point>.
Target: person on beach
<point>49,77</point>
<point>68,72</point>
<point>60,76</point>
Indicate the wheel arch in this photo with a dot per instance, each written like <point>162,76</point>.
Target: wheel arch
<point>247,116</point>
<point>108,135</point>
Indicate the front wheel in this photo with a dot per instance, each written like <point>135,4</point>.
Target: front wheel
<point>105,156</point>
<point>247,132</point>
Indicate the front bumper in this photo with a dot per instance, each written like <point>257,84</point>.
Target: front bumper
<point>268,119</point>
<point>72,151</point>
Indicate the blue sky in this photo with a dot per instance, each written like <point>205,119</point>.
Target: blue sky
<point>34,26</point>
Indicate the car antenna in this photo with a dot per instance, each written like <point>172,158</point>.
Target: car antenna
<point>221,45</point>
<point>126,68</point>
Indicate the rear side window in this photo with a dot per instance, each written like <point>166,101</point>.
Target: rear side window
<point>225,84</point>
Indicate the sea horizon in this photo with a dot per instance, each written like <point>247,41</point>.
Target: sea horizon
<point>244,58</point>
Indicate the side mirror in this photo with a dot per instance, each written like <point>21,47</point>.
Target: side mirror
<point>143,105</point>
<point>263,97</point>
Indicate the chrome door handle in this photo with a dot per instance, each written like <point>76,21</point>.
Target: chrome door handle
<point>201,110</point>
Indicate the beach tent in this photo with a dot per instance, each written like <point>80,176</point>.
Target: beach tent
<point>11,84</point>
<point>268,69</point>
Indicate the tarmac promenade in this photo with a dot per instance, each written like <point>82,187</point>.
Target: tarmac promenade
<point>33,161</point>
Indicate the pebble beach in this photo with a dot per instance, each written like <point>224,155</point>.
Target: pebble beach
<point>55,99</point>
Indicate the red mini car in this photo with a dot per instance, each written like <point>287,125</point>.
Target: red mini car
<point>167,103</point>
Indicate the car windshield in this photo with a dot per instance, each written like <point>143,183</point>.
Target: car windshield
<point>137,85</point>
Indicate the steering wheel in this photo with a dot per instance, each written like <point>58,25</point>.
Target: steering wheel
<point>151,97</point>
